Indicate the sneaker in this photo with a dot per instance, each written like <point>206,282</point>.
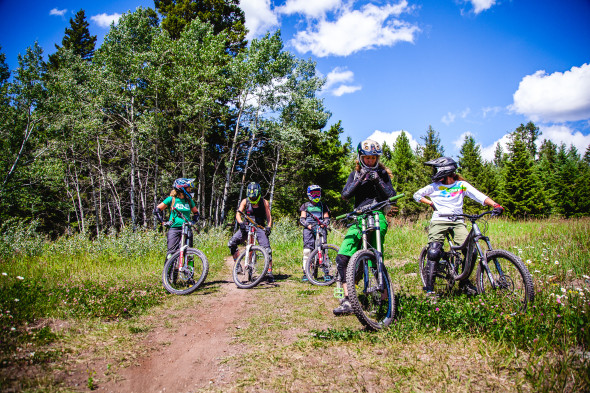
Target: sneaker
<point>468,288</point>
<point>327,278</point>
<point>270,278</point>
<point>304,278</point>
<point>345,308</point>
<point>239,269</point>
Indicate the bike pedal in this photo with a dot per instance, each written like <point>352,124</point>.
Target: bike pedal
<point>339,293</point>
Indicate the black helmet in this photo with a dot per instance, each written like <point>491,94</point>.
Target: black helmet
<point>369,147</point>
<point>253,193</point>
<point>444,166</point>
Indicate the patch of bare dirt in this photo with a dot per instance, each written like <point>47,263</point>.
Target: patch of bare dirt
<point>184,358</point>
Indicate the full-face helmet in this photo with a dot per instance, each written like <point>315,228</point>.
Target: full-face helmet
<point>314,193</point>
<point>253,193</point>
<point>443,166</point>
<point>369,147</point>
<point>185,185</point>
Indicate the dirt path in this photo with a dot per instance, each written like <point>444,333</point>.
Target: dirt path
<point>190,357</point>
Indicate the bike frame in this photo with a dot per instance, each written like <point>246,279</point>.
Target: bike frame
<point>320,239</point>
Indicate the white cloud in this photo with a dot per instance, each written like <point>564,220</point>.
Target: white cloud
<point>259,17</point>
<point>57,12</point>
<point>312,9</point>
<point>339,77</point>
<point>356,30</point>
<point>559,134</point>
<point>557,97</point>
<point>345,89</point>
<point>104,20</point>
<point>481,5</point>
<point>493,110</point>
<point>487,152</point>
<point>465,112</point>
<point>448,118</point>
<point>391,137</point>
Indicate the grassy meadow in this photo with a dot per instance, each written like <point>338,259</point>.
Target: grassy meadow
<point>60,298</point>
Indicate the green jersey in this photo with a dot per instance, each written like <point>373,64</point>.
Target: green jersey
<point>183,206</point>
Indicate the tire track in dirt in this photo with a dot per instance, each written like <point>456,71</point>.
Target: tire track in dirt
<point>190,357</point>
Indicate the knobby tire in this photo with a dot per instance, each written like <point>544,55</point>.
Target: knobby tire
<point>247,278</point>
<point>190,278</point>
<point>315,273</point>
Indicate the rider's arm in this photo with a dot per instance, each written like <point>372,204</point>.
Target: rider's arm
<point>241,208</point>
<point>354,180</point>
<point>384,184</point>
<point>303,221</point>
<point>268,215</point>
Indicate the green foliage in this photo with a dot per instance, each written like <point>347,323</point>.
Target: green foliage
<point>77,38</point>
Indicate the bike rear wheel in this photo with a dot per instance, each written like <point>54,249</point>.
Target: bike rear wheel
<point>323,273</point>
<point>374,307</point>
<point>190,277</point>
<point>248,273</point>
<point>513,285</point>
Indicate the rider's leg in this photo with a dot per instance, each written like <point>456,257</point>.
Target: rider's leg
<point>308,246</point>
<point>433,255</point>
<point>173,241</point>
<point>460,233</point>
<point>233,243</point>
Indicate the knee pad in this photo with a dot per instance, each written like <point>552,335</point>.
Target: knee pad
<point>232,247</point>
<point>341,264</point>
<point>435,251</point>
<point>306,252</point>
<point>269,251</point>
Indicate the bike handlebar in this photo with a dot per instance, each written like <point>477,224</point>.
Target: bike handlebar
<point>179,214</point>
<point>470,217</point>
<point>368,209</point>
<point>250,220</point>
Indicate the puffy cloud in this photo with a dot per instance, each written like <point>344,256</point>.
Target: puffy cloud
<point>557,97</point>
<point>259,17</point>
<point>339,76</point>
<point>104,20</point>
<point>559,134</point>
<point>57,12</point>
<point>481,5</point>
<point>461,138</point>
<point>487,152</point>
<point>356,30</point>
<point>313,9</point>
<point>391,137</point>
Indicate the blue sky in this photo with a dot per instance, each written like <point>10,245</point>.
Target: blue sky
<point>462,66</point>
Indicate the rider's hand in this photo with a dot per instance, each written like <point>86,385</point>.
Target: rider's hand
<point>267,231</point>
<point>242,225</point>
<point>373,176</point>
<point>498,210</point>
<point>326,221</point>
<point>431,205</point>
<point>167,224</point>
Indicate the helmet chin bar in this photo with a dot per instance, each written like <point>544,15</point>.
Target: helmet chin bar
<point>362,162</point>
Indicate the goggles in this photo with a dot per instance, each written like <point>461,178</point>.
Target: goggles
<point>315,194</point>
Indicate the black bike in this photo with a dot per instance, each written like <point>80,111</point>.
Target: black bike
<point>187,268</point>
<point>253,263</point>
<point>320,267</point>
<point>372,297</point>
<point>499,272</point>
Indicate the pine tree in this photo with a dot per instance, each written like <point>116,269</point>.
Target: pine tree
<point>404,167</point>
<point>522,195</point>
<point>470,162</point>
<point>224,15</point>
<point>529,134</point>
<point>77,38</point>
<point>499,156</point>
<point>432,147</point>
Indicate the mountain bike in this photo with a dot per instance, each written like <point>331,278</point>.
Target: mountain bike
<point>499,273</point>
<point>372,297</point>
<point>320,267</point>
<point>187,268</point>
<point>252,264</point>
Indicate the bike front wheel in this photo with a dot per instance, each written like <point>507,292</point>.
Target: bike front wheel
<point>374,305</point>
<point>185,280</point>
<point>508,281</point>
<point>249,270</point>
<point>320,267</point>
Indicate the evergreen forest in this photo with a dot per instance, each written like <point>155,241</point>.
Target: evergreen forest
<point>92,139</point>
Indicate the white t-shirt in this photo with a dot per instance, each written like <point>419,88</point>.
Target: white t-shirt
<point>448,199</point>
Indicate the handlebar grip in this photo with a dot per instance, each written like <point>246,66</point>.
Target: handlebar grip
<point>341,217</point>
<point>398,196</point>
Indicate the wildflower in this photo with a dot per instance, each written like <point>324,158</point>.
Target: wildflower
<point>16,300</point>
<point>563,290</point>
<point>557,262</point>
<point>4,274</point>
<point>13,329</point>
<point>535,340</point>
<point>528,261</point>
<point>20,278</point>
<point>558,299</point>
<point>437,309</point>
<point>558,316</point>
<point>583,275</point>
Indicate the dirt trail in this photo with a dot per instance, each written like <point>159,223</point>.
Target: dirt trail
<point>190,357</point>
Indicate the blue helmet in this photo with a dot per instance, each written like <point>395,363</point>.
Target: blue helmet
<point>253,193</point>
<point>314,193</point>
<point>185,185</point>
<point>369,147</point>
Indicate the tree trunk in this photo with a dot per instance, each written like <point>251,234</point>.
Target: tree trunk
<point>274,176</point>
<point>132,176</point>
<point>79,201</point>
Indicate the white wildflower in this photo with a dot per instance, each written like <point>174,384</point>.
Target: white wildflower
<point>4,274</point>
<point>20,278</point>
<point>557,262</point>
<point>16,300</point>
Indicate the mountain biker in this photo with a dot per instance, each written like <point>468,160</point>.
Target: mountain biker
<point>258,211</point>
<point>180,201</point>
<point>314,207</point>
<point>446,193</point>
<point>369,182</point>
